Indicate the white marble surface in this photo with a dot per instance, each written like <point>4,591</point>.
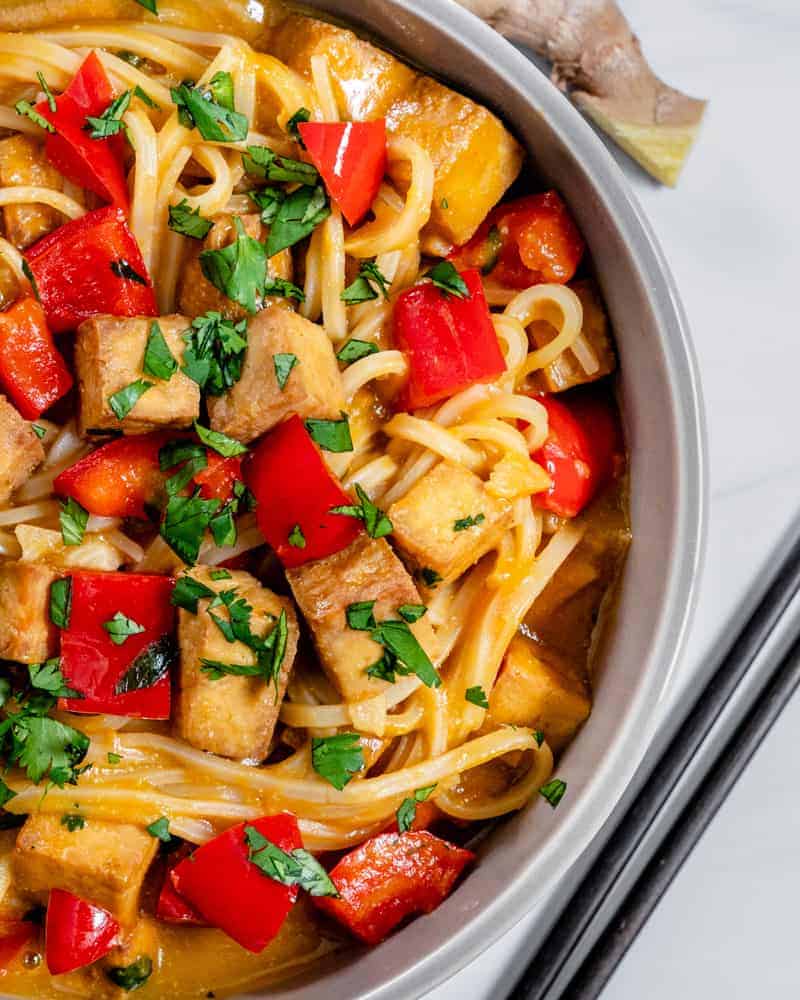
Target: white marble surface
<point>727,926</point>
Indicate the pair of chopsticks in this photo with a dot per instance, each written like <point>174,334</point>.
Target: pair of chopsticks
<point>700,765</point>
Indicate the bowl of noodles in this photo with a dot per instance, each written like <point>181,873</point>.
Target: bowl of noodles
<point>352,486</point>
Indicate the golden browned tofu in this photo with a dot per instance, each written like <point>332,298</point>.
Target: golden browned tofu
<point>533,691</point>
<point>26,633</point>
<point>313,387</point>
<point>476,159</point>
<point>367,570</point>
<point>109,354</point>
<point>103,863</point>
<point>566,371</point>
<point>196,294</point>
<point>448,520</point>
<point>232,716</point>
<point>20,450</point>
<point>23,163</point>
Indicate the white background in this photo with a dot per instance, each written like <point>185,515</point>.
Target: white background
<point>728,927</point>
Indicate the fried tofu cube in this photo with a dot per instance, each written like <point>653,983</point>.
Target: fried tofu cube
<point>448,520</point>
<point>257,402</point>
<point>26,633</point>
<point>23,163</point>
<point>103,863</point>
<point>367,570</point>
<point>475,157</point>
<point>20,450</point>
<point>566,371</point>
<point>197,295</point>
<point>538,692</point>
<point>233,716</point>
<point>109,354</point>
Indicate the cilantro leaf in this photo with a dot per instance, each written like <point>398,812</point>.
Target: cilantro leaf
<point>51,101</point>
<point>284,363</point>
<point>145,98</point>
<point>296,537</point>
<point>337,758</point>
<point>124,400</point>
<point>553,791</point>
<point>45,744</point>
<point>355,350</point>
<point>223,445</point>
<point>158,359</point>
<point>370,283</point>
<point>6,793</point>
<point>447,279</point>
<point>539,737</point>
<point>110,121</point>
<point>407,812</point>
<point>122,269</point>
<point>47,677</point>
<point>187,592</point>
<point>239,270</point>
<point>188,221</point>
<point>429,577</point>
<point>291,868</point>
<point>223,526</point>
<point>61,602</point>
<point>331,435</point>
<point>185,522</point>
<point>463,523</point>
<point>73,822</point>
<point>298,216</point>
<point>270,650</point>
<point>269,201</point>
<point>149,667</point>
<point>214,121</point>
<point>402,645</point>
<point>360,616</point>
<point>113,758</point>
<point>160,829</point>
<point>148,5</point>
<point>283,289</point>
<point>412,612</point>
<point>215,351</point>
<point>38,430</point>
<point>120,628</point>
<point>477,696</point>
<point>220,87</point>
<point>263,162</point>
<point>375,520</point>
<point>27,110</point>
<point>301,115</point>
<point>220,574</point>
<point>131,977</point>
<point>73,519</point>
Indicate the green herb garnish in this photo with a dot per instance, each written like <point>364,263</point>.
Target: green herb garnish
<point>61,602</point>
<point>73,520</point>
<point>337,758</point>
<point>375,520</point>
<point>149,667</point>
<point>291,868</point>
<point>226,446</point>
<point>298,215</point>
<point>124,400</point>
<point>477,696</point>
<point>188,221</point>
<point>284,363</point>
<point>214,121</point>
<point>407,812</point>
<point>331,435</point>
<point>261,161</point>
<point>296,537</point>
<point>120,628</point>
<point>468,522</point>
<point>239,270</point>
<point>215,351</point>
<point>158,358</point>
<point>553,791</point>
<point>355,350</point>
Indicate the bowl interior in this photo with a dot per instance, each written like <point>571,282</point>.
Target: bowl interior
<point>663,417</point>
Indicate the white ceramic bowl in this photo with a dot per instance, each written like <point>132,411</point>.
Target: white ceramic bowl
<point>664,423</point>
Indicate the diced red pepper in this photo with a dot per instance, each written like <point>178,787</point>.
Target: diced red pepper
<point>294,487</point>
<point>14,935</point>
<point>76,933</point>
<point>171,907</point>
<point>526,242</point>
<point>351,158</point>
<point>32,371</point>
<point>390,877</point>
<point>84,268</point>
<point>93,164</point>
<point>582,453</point>
<point>217,480</point>
<point>450,342</point>
<point>93,665</point>
<point>119,479</point>
<point>232,893</point>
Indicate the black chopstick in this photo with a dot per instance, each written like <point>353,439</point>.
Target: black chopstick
<point>580,917</point>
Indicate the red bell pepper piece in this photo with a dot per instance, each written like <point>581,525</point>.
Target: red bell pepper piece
<point>526,242</point>
<point>294,487</point>
<point>84,268</point>
<point>232,893</point>
<point>581,454</point>
<point>14,935</point>
<point>351,159</point>
<point>171,907</point>
<point>93,665</point>
<point>93,164</point>
<point>217,480</point>
<point>119,479</point>
<point>76,933</point>
<point>32,371</point>
<point>450,342</point>
<point>390,877</point>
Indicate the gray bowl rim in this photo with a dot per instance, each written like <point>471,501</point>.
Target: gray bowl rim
<point>366,978</point>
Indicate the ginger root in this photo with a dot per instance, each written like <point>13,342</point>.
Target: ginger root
<point>597,59</point>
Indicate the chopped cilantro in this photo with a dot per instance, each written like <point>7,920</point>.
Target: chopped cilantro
<point>187,592</point>
<point>110,121</point>
<point>291,868</point>
<point>539,737</point>
<point>61,602</point>
<point>447,279</point>
<point>407,812</point>
<point>220,574</point>
<point>468,522</point>
<point>282,289</point>
<point>284,363</point>
<point>148,5</point>
<point>73,520</point>
<point>429,577</point>
<point>214,354</point>
<point>185,522</point>
<point>124,400</point>
<point>360,616</point>
<point>270,651</point>
<point>27,110</point>
<point>226,446</point>
<point>158,359</point>
<point>239,270</point>
<point>214,121</point>
<point>331,435</point>
<point>120,628</point>
<point>51,101</point>
<point>412,612</point>
<point>477,696</point>
<point>301,115</point>
<point>355,350</point>
<point>269,200</point>
<point>403,655</point>
<point>375,520</point>
<point>73,822</point>
<point>160,829</point>
<point>261,161</point>
<point>553,791</point>
<point>298,215</point>
<point>113,758</point>
<point>337,758</point>
<point>296,537</point>
<point>149,667</point>
<point>369,284</point>
<point>131,977</point>
<point>188,221</point>
<point>38,430</point>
